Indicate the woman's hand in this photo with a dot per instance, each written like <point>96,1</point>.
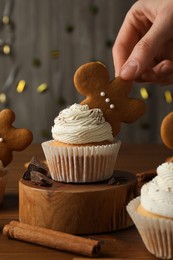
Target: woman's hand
<point>143,50</point>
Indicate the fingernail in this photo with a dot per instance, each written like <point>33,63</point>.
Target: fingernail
<point>128,70</point>
<point>165,70</point>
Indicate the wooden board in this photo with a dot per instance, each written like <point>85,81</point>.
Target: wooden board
<point>78,208</point>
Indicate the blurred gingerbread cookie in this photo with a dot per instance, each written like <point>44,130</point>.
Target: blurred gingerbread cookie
<point>92,80</point>
<point>166,130</point>
<point>11,138</point>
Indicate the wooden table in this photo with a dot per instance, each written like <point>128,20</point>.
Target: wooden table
<point>123,244</point>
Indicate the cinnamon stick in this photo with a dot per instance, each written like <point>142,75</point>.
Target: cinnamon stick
<point>51,238</point>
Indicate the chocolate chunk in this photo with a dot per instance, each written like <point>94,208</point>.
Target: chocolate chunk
<point>40,179</point>
<point>118,180</point>
<point>37,166</point>
<point>26,175</point>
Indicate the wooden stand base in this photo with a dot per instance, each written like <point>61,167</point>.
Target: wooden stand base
<point>78,208</point>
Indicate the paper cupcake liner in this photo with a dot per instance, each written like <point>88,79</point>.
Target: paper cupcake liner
<point>156,233</point>
<point>81,164</point>
<point>3,183</point>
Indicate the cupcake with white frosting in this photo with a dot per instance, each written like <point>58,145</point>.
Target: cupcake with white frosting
<point>83,148</point>
<point>152,212</point>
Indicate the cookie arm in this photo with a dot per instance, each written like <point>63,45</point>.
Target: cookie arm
<point>136,108</point>
<point>19,139</point>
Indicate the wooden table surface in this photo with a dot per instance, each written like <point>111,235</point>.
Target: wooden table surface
<point>123,244</point>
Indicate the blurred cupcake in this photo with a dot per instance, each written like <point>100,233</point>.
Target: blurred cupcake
<point>3,181</point>
<point>83,148</point>
<point>152,213</point>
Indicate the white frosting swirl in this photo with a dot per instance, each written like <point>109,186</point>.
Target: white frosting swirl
<point>78,124</point>
<point>157,195</point>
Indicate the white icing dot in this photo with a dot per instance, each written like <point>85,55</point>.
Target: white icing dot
<point>112,106</point>
<point>1,139</point>
<point>107,100</point>
<point>102,94</point>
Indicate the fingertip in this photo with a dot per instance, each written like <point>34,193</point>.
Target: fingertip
<point>117,74</point>
<point>166,70</point>
<point>128,71</point>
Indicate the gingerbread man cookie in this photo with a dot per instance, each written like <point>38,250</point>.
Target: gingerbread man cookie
<point>11,138</point>
<point>166,130</point>
<point>92,81</point>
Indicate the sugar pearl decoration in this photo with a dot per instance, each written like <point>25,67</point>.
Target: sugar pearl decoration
<point>102,94</point>
<point>107,100</point>
<point>1,139</point>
